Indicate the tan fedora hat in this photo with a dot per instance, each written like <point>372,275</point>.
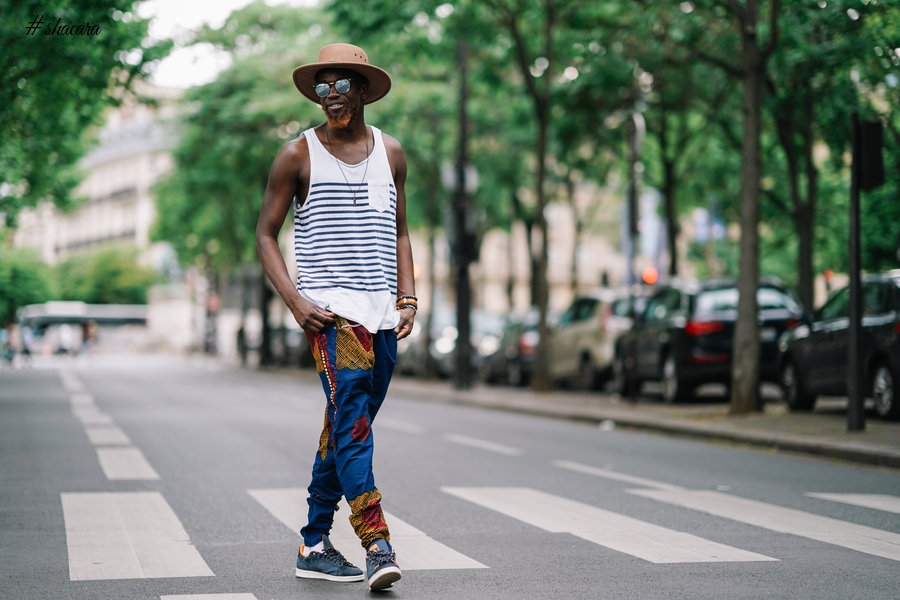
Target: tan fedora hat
<point>343,56</point>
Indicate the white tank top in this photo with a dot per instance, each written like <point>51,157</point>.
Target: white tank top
<point>345,236</point>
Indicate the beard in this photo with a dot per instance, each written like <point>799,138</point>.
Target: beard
<point>342,119</point>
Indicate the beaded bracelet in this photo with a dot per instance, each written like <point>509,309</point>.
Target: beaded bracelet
<point>412,306</point>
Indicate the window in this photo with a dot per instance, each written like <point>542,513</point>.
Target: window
<point>838,306</point>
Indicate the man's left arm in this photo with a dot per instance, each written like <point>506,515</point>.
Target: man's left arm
<point>406,284</point>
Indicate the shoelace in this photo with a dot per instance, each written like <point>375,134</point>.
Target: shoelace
<point>334,555</point>
<point>380,557</point>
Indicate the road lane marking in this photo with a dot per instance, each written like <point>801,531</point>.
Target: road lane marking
<point>127,535</point>
<point>877,501</point>
<point>481,444</point>
<point>82,400</point>
<point>783,520</point>
<point>92,416</point>
<point>609,474</point>
<point>107,435</point>
<point>70,381</point>
<point>612,530</point>
<point>210,597</point>
<point>402,426</point>
<point>415,549</point>
<point>125,463</point>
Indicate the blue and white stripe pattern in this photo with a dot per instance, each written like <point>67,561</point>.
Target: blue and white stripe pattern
<point>346,242</point>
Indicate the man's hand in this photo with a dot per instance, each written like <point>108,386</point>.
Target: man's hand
<point>309,316</point>
<point>405,327</point>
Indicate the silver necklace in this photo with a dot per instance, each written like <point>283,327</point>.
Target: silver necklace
<point>341,169</point>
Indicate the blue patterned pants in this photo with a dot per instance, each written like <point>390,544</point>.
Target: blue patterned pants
<point>355,367</point>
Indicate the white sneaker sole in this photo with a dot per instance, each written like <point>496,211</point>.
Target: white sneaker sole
<point>384,578</point>
<point>317,575</point>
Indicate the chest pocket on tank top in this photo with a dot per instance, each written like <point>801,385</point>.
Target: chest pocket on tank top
<point>380,196</point>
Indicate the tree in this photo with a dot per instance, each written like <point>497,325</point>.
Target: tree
<point>24,280</point>
<point>208,207</point>
<point>110,276</point>
<point>810,94</point>
<point>754,46</point>
<point>534,30</point>
<point>55,87</point>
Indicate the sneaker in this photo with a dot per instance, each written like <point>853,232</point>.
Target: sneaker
<point>381,566</point>
<point>329,564</point>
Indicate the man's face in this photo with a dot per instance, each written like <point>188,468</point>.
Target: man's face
<point>340,108</point>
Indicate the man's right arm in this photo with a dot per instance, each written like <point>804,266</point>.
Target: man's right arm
<point>288,177</point>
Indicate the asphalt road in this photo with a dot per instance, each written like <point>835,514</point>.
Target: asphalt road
<point>156,478</point>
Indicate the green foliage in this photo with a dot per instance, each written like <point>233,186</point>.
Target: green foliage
<point>55,88</point>
<point>674,61</point>
<point>111,276</point>
<point>209,206</point>
<point>24,279</point>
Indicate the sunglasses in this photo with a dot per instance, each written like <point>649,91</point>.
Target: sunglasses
<point>341,86</point>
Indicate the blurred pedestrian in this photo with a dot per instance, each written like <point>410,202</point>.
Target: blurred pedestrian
<point>64,339</point>
<point>354,295</point>
<point>27,339</point>
<point>7,352</point>
<point>88,335</point>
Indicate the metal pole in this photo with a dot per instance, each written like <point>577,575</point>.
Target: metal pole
<point>856,416</point>
<point>635,132</point>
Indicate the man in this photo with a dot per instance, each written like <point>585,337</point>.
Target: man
<point>354,295</point>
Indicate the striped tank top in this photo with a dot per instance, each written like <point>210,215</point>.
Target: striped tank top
<point>345,236</point>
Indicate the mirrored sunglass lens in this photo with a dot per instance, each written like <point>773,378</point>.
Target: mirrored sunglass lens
<point>341,85</point>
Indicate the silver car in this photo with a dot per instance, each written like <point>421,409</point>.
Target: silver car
<point>583,340</point>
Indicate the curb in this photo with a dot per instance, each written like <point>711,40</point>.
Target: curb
<point>630,416</point>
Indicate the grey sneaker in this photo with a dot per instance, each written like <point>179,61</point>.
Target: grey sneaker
<point>329,564</point>
<point>381,566</point>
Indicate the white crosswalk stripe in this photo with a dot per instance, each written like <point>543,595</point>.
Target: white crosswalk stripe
<point>415,549</point>
<point>784,520</point>
<point>612,530</point>
<point>127,535</point>
<point>768,516</point>
<point>883,502</point>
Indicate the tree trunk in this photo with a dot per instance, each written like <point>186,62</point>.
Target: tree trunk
<point>669,184</point>
<point>745,368</point>
<point>807,223</point>
<point>541,97</point>
<point>579,232</point>
<point>266,356</point>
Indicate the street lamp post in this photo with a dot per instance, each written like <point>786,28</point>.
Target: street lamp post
<point>635,129</point>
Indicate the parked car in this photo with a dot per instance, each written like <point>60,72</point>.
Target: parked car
<point>411,351</point>
<point>508,355</point>
<point>582,342</point>
<point>812,358</point>
<point>684,336</point>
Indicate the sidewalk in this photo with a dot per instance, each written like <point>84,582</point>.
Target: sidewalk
<point>822,432</point>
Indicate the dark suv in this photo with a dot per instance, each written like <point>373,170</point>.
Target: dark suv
<point>812,358</point>
<point>684,336</point>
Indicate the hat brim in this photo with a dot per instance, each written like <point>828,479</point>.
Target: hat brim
<point>379,81</point>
